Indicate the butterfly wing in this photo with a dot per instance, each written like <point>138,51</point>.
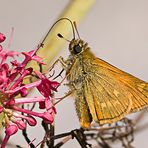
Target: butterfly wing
<point>138,88</point>
<point>104,93</point>
<point>112,93</point>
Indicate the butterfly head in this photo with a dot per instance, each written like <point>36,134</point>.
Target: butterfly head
<point>77,46</point>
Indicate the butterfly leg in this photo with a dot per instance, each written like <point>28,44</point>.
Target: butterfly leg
<point>65,96</point>
<point>64,65</point>
<point>62,62</point>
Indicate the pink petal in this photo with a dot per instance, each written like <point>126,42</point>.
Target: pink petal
<point>42,105</point>
<point>31,121</point>
<point>21,124</point>
<point>10,102</point>
<point>38,59</point>
<point>29,100</point>
<point>1,109</point>
<point>48,117</point>
<point>24,92</point>
<point>2,37</point>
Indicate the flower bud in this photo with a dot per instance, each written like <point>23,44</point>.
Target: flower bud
<point>2,37</point>
<point>11,129</point>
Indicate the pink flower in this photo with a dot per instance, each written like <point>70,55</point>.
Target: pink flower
<point>11,129</point>
<point>2,37</point>
<point>12,76</point>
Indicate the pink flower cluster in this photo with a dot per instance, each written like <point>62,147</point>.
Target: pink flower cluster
<point>13,92</point>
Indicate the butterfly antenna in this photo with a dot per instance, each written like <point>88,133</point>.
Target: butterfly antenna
<point>75,26</point>
<point>61,35</point>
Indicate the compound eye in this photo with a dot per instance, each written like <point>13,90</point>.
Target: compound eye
<point>77,49</point>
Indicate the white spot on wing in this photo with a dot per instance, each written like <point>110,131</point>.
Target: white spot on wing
<point>116,93</point>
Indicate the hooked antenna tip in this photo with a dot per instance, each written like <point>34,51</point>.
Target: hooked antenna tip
<point>59,35</point>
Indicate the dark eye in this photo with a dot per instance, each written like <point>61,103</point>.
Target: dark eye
<point>77,49</point>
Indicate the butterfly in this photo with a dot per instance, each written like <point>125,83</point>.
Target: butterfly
<point>102,92</point>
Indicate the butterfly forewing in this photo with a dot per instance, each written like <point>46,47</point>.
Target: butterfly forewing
<point>136,87</point>
<point>107,98</point>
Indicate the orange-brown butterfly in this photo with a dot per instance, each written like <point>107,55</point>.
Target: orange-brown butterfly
<point>102,92</point>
